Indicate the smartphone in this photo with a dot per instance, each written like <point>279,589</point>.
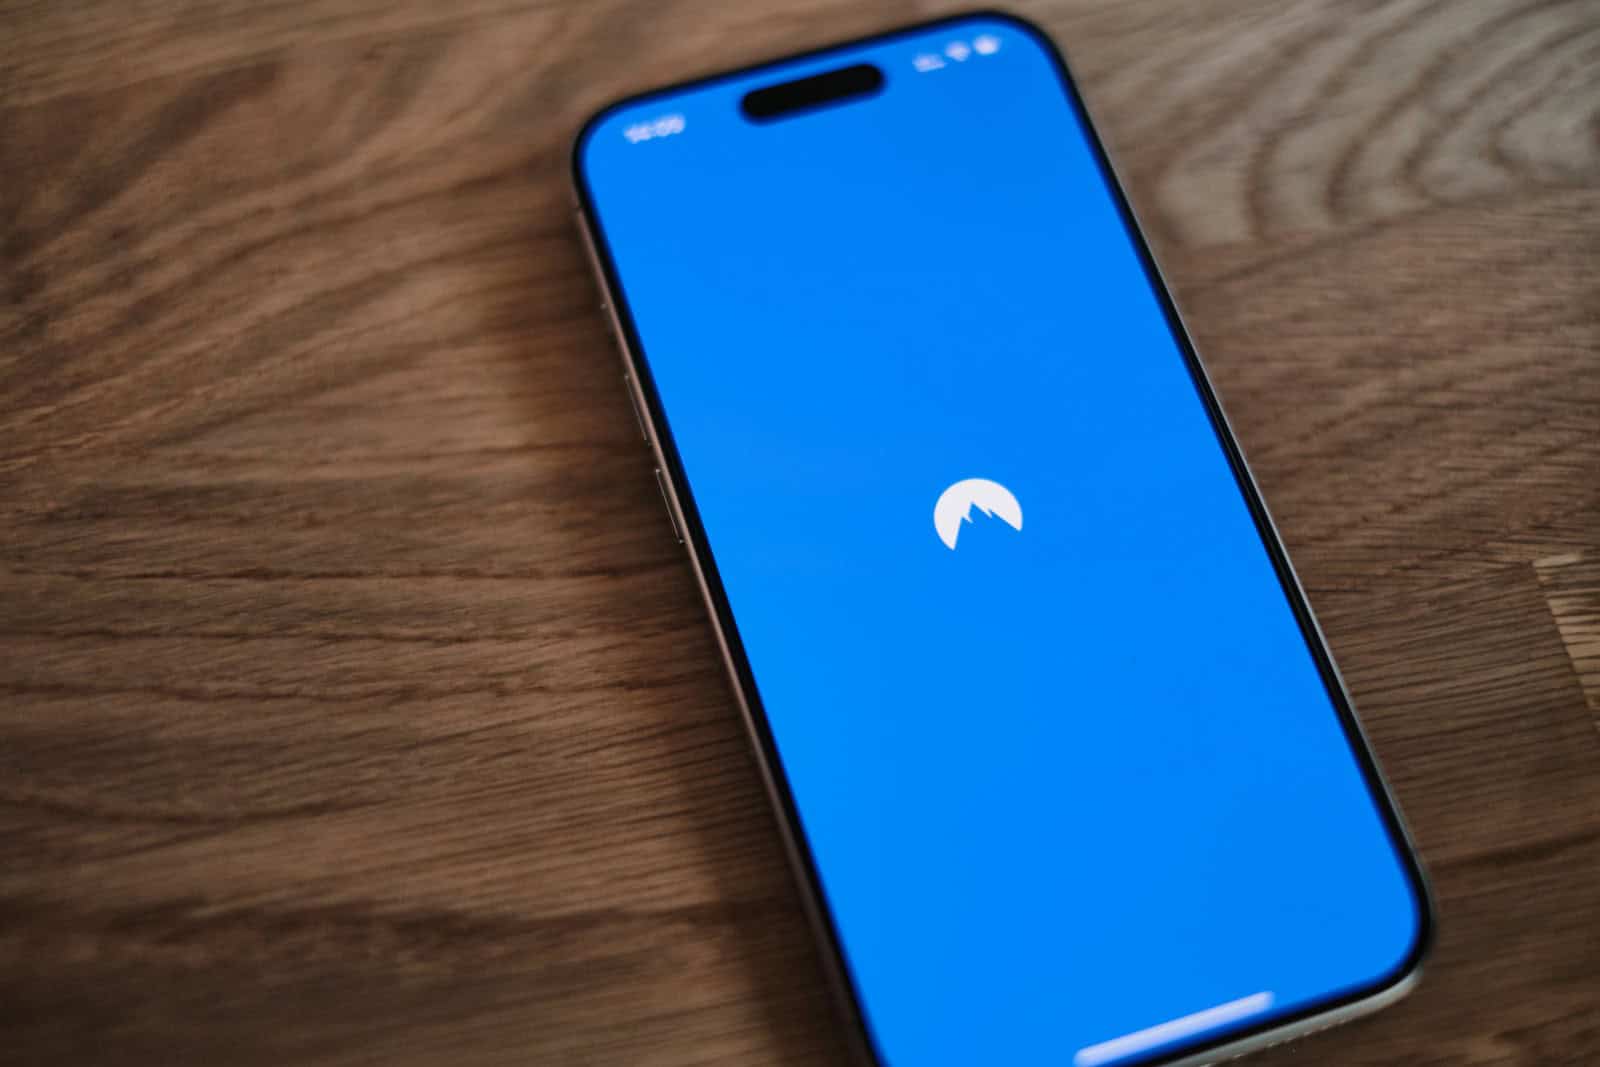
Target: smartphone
<point>1064,768</point>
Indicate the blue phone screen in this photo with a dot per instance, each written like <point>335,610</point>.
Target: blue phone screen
<point>1074,787</point>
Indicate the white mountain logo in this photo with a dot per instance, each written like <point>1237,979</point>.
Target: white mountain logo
<point>956,503</point>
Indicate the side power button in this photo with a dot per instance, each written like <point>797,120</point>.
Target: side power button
<point>661,483</point>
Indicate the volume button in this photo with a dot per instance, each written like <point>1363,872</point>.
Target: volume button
<point>633,399</point>
<point>593,255</point>
<point>661,483</point>
<point>609,310</point>
<point>607,305</point>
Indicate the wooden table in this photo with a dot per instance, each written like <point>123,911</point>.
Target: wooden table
<point>357,706</point>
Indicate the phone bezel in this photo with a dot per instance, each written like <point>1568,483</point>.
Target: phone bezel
<point>1338,1007</point>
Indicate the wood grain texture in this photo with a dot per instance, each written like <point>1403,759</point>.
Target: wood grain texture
<point>1572,586</point>
<point>355,702</point>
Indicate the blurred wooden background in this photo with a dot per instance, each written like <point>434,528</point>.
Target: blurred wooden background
<point>355,702</point>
